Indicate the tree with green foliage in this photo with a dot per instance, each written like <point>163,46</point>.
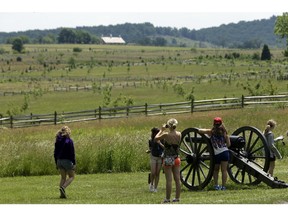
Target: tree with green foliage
<point>67,36</point>
<point>281,29</point>
<point>160,41</point>
<point>266,55</point>
<point>17,45</point>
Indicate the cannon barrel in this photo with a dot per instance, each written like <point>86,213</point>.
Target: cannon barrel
<point>237,142</point>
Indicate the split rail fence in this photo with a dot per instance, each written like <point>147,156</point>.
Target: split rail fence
<point>144,110</point>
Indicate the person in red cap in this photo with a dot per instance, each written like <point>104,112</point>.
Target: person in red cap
<point>220,142</point>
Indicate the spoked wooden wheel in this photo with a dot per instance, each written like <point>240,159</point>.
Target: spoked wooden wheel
<point>197,163</point>
<point>255,150</point>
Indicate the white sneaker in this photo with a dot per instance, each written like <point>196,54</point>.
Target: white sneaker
<point>151,188</point>
<point>155,190</point>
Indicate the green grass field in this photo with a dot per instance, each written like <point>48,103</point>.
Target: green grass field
<point>127,188</point>
<point>132,72</point>
<point>112,165</point>
<point>29,152</point>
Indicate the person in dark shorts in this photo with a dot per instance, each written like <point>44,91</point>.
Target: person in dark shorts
<point>220,142</point>
<point>64,155</point>
<point>155,150</point>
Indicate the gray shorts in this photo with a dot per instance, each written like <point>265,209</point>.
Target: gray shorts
<point>155,160</point>
<point>64,164</point>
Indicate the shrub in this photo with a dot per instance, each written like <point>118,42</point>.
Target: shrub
<point>77,49</point>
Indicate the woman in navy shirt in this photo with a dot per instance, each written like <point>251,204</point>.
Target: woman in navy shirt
<point>64,155</point>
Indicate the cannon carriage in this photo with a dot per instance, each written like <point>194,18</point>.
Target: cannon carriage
<point>248,165</point>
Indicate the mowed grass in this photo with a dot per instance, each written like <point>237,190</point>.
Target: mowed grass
<point>128,188</point>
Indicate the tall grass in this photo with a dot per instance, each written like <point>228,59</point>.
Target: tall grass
<point>118,145</point>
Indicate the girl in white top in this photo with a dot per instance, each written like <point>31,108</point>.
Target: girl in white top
<point>220,143</point>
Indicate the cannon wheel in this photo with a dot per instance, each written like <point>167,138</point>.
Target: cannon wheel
<point>255,150</point>
<point>197,163</point>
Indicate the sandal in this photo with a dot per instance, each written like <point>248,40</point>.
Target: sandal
<point>176,200</point>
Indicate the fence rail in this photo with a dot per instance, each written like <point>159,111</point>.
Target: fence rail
<point>144,110</point>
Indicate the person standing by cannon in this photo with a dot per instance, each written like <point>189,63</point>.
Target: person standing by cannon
<point>269,135</point>
<point>155,150</point>
<point>171,160</point>
<point>220,142</point>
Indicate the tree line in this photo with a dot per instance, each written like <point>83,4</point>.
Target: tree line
<point>252,34</point>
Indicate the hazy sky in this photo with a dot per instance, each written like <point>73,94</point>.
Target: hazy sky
<point>19,15</point>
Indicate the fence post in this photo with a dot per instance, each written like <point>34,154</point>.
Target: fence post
<point>127,111</point>
<point>55,118</point>
<point>192,105</point>
<point>146,109</point>
<point>11,121</point>
<point>100,110</point>
<point>242,102</point>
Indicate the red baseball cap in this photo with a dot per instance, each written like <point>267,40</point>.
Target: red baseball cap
<point>217,120</point>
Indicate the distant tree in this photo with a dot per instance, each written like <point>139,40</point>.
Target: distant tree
<point>66,36</point>
<point>17,45</point>
<point>184,32</point>
<point>95,40</point>
<point>83,37</point>
<point>266,55</point>
<point>281,29</point>
<point>251,44</point>
<point>48,39</point>
<point>160,41</point>
<point>146,41</point>
<point>72,63</point>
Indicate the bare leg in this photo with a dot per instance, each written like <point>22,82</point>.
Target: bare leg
<point>63,177</point>
<point>153,172</point>
<point>224,165</point>
<point>71,176</point>
<point>176,175</point>
<point>215,173</point>
<point>271,168</point>
<point>168,175</point>
<point>157,175</point>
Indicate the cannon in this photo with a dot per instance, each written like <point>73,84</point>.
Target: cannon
<point>248,165</point>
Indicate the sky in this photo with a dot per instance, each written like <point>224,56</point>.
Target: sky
<point>19,15</point>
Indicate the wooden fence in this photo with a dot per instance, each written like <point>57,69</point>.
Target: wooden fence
<point>144,110</point>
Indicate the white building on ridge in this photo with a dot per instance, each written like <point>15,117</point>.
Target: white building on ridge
<point>113,40</point>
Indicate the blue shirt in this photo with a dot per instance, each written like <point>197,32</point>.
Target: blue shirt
<point>64,149</point>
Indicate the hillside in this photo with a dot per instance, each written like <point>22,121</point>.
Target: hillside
<point>252,34</point>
